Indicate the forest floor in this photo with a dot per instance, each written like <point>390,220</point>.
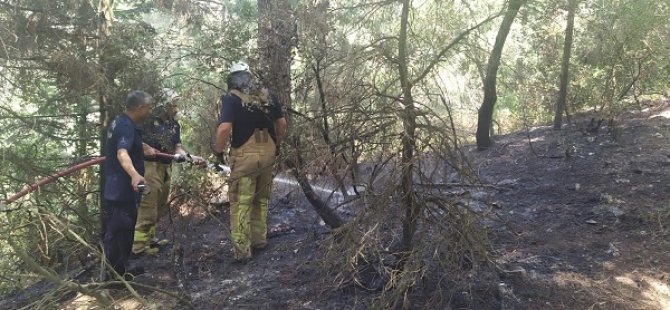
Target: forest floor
<point>584,231</point>
<point>589,231</point>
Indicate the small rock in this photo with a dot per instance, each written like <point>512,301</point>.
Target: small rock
<point>592,222</point>
<point>606,198</point>
<point>506,182</point>
<point>605,209</point>
<point>616,211</point>
<point>612,250</point>
<point>609,198</point>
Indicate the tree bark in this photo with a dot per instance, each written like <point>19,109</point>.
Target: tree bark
<point>81,151</point>
<point>565,65</point>
<point>276,35</point>
<point>412,208</point>
<point>327,215</point>
<point>105,17</point>
<point>490,97</point>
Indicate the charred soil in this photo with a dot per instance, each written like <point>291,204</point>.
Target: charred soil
<point>578,220</point>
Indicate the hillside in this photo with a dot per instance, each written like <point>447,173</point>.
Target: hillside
<point>577,220</point>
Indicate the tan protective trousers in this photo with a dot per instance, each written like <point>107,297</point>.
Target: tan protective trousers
<point>153,204</point>
<point>249,192</point>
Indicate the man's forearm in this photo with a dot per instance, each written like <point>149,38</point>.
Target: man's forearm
<point>222,137</point>
<point>280,129</point>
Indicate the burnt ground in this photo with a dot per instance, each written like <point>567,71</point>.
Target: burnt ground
<point>584,231</point>
<point>587,231</point>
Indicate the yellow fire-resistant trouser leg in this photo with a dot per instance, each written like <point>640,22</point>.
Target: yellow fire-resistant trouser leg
<point>153,204</point>
<point>249,192</point>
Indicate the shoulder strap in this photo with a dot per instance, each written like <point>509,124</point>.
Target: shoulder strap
<point>260,99</point>
<point>241,95</point>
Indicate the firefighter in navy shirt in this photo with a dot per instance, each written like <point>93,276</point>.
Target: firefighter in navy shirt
<point>162,132</point>
<point>123,171</point>
<point>253,120</point>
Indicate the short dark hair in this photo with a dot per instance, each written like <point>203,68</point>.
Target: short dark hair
<point>137,98</point>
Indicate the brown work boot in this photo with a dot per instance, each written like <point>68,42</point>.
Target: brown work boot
<point>147,250</point>
<point>257,248</point>
<point>241,256</point>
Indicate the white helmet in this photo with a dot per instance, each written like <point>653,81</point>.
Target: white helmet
<point>239,66</point>
<point>170,96</point>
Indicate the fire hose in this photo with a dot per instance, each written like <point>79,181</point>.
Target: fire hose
<point>222,169</point>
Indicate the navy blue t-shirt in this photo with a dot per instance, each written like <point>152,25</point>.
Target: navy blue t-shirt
<point>122,133</point>
<point>246,119</point>
<point>161,134</point>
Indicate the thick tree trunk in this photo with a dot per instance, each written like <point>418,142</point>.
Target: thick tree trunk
<point>565,65</point>
<point>490,97</point>
<point>276,35</point>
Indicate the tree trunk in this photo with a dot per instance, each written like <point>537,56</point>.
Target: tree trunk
<point>276,35</point>
<point>490,97</point>
<point>325,130</point>
<point>412,209</point>
<point>81,150</point>
<point>327,215</point>
<point>105,17</point>
<point>565,65</point>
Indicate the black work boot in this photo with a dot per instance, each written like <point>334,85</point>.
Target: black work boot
<point>134,271</point>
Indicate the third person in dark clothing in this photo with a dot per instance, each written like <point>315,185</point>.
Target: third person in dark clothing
<point>123,173</point>
<point>252,120</point>
<point>161,133</point>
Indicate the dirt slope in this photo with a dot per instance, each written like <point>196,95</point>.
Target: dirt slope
<point>587,231</point>
<point>582,229</point>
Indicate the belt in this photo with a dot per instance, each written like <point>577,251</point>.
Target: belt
<point>158,161</point>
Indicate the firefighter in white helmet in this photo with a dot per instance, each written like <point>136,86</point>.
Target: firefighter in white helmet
<point>252,121</point>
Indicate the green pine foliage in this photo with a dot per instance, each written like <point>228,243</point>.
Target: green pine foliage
<point>57,64</point>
